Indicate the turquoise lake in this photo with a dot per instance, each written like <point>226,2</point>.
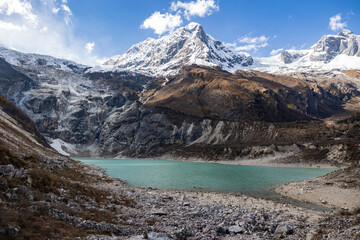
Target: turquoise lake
<point>163,174</point>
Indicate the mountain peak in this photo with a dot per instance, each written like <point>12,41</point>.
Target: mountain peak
<point>186,46</point>
<point>345,33</point>
<point>193,26</point>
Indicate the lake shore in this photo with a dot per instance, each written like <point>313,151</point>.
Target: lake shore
<point>215,215</point>
<point>314,191</point>
<point>338,190</point>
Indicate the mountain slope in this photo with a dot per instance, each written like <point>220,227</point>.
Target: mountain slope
<point>186,46</point>
<point>244,96</point>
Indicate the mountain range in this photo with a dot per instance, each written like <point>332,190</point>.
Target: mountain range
<point>191,45</point>
<point>184,94</point>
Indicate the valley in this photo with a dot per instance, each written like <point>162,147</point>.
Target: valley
<point>184,96</point>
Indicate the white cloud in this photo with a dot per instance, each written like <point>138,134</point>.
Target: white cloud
<point>68,13</point>
<point>162,23</point>
<point>66,9</point>
<point>335,23</point>
<point>44,29</point>
<point>90,47</point>
<point>64,1</point>
<point>254,40</point>
<point>20,8</point>
<point>31,26</point>
<point>11,27</point>
<point>199,8</point>
<point>251,47</point>
<point>276,51</point>
<point>166,22</point>
<point>252,43</point>
<point>55,10</point>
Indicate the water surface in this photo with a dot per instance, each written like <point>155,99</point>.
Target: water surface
<point>251,180</point>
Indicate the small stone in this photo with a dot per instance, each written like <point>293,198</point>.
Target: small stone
<point>5,185</point>
<point>323,201</point>
<point>14,196</point>
<point>159,212</point>
<point>29,180</point>
<point>7,170</point>
<point>7,196</point>
<point>284,229</point>
<point>13,229</point>
<point>207,229</point>
<point>236,229</point>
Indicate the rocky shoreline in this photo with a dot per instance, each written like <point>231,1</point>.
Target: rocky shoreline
<point>213,215</point>
<point>107,208</point>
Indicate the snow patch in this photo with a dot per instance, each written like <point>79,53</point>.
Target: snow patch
<point>58,145</point>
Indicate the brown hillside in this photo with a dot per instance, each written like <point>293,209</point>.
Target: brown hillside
<point>247,96</point>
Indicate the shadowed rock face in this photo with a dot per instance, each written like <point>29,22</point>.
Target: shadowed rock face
<point>121,113</point>
<point>12,82</point>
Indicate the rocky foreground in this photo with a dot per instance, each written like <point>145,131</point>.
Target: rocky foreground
<point>85,203</point>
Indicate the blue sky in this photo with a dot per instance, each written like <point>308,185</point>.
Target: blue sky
<point>110,27</point>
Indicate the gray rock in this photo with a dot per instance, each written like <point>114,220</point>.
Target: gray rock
<point>236,229</point>
<point>13,229</point>
<point>284,229</point>
<point>7,170</point>
<point>7,196</point>
<point>5,185</point>
<point>159,212</point>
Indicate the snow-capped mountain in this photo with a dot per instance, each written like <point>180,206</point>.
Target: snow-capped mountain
<point>185,46</point>
<point>341,51</point>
